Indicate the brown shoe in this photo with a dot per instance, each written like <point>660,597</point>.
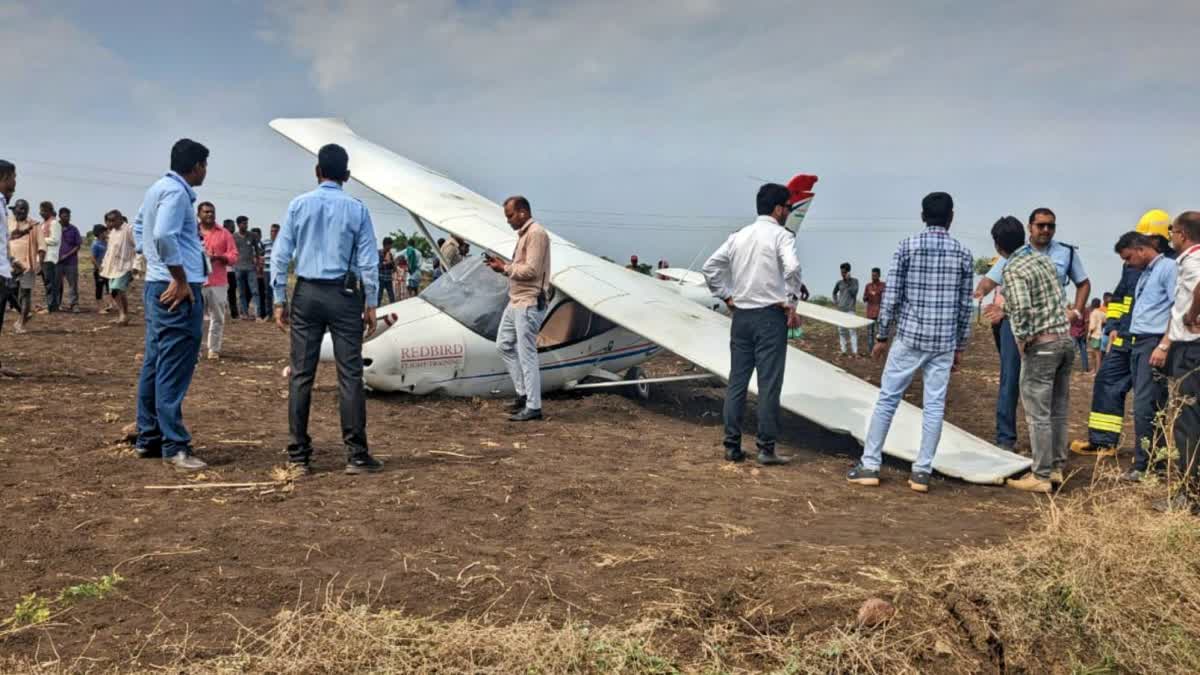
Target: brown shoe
<point>1086,449</point>
<point>1029,483</point>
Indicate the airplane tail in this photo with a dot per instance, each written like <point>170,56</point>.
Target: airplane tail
<point>800,187</point>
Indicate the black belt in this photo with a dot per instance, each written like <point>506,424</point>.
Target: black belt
<point>321,282</point>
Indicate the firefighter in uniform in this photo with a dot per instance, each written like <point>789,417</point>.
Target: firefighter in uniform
<point>1115,379</point>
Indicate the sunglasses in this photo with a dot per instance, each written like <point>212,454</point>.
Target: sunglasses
<point>1046,226</point>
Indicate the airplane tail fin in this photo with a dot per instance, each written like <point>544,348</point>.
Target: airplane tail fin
<point>800,187</point>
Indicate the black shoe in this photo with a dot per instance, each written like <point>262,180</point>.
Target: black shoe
<point>301,468</point>
<point>518,404</point>
<point>919,481</point>
<point>1134,475</point>
<point>364,463</point>
<point>863,476</point>
<point>734,455</point>
<point>526,415</point>
<point>152,452</point>
<point>772,459</point>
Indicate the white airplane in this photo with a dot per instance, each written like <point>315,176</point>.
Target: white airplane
<point>603,319</point>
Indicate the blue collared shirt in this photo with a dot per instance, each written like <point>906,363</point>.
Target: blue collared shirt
<point>166,233</point>
<point>1067,264</point>
<point>1154,297</point>
<point>324,228</point>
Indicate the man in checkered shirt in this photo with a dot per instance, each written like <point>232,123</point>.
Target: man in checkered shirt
<point>928,298</point>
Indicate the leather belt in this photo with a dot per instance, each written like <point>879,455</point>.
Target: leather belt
<point>1043,338</point>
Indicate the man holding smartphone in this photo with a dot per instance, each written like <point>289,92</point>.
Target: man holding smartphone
<point>528,276</point>
<point>337,289</point>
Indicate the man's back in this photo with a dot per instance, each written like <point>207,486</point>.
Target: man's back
<point>755,267</point>
<point>929,291</point>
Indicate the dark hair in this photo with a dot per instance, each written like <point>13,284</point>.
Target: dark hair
<point>1189,222</point>
<point>7,168</point>
<point>186,154</point>
<point>274,225</point>
<point>227,221</point>
<point>64,209</point>
<point>98,230</point>
<point>243,219</point>
<point>1008,234</point>
<point>46,205</point>
<point>1041,211</point>
<point>441,241</point>
<point>333,162</point>
<point>770,196</point>
<point>1095,303</point>
<point>115,213</point>
<point>204,204</point>
<point>1133,240</point>
<point>519,203</point>
<point>876,270</point>
<point>845,267</point>
<point>256,230</point>
<point>1107,297</point>
<point>387,242</point>
<point>937,209</point>
<point>1161,243</point>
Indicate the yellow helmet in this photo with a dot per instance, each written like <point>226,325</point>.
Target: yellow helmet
<point>1155,221</point>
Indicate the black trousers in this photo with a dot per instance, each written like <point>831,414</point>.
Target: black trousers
<point>1183,365</point>
<point>4,297</point>
<point>757,342</point>
<point>317,307</point>
<point>53,284</point>
<point>1149,397</point>
<point>232,295</point>
<point>1113,381</point>
<point>100,283</point>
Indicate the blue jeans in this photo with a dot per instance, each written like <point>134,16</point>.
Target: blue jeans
<point>172,348</point>
<point>1010,388</point>
<point>247,289</point>
<point>902,364</point>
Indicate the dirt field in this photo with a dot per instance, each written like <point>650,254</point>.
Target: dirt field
<point>609,509</point>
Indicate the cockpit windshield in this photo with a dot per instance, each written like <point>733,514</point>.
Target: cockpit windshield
<point>471,294</point>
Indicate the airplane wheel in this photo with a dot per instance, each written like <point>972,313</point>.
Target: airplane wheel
<point>640,391</point>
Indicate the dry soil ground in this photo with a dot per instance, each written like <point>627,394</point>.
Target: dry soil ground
<point>608,509</point>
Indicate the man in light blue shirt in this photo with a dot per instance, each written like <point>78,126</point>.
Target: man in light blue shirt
<point>1152,302</point>
<point>337,281</point>
<point>1042,227</point>
<point>166,233</point>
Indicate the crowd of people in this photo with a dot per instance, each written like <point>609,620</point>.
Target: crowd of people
<point>1142,335</point>
<point>1144,332</point>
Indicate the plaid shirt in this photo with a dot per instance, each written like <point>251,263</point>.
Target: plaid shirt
<point>928,294</point>
<point>1033,299</point>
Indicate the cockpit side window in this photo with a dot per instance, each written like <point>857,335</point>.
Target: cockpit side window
<point>568,323</point>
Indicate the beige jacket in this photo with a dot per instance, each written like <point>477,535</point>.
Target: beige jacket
<point>529,272</point>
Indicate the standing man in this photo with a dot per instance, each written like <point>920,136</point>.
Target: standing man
<point>337,282</point>
<point>412,258</point>
<point>26,247</point>
<point>757,274</point>
<point>268,246</point>
<point>845,296</point>
<point>1042,227</point>
<point>873,297</point>
<point>1153,300</point>
<point>175,270</point>
<point>222,252</point>
<point>928,299</point>
<point>1033,305</point>
<point>1183,361</point>
<point>119,261</point>
<point>1114,377</point>
<point>244,269</point>
<point>68,260</point>
<point>8,185</point>
<point>228,225</point>
<point>387,267</point>
<point>528,280</point>
<point>52,236</point>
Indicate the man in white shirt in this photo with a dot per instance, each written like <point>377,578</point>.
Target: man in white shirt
<point>757,274</point>
<point>52,233</point>
<point>1183,359</point>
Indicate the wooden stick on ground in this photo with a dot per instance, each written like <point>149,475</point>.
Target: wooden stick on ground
<point>212,486</point>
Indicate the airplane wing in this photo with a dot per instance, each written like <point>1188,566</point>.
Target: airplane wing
<point>819,391</point>
<point>807,309</point>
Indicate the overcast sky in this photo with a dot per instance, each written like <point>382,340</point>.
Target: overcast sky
<point>633,127</point>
